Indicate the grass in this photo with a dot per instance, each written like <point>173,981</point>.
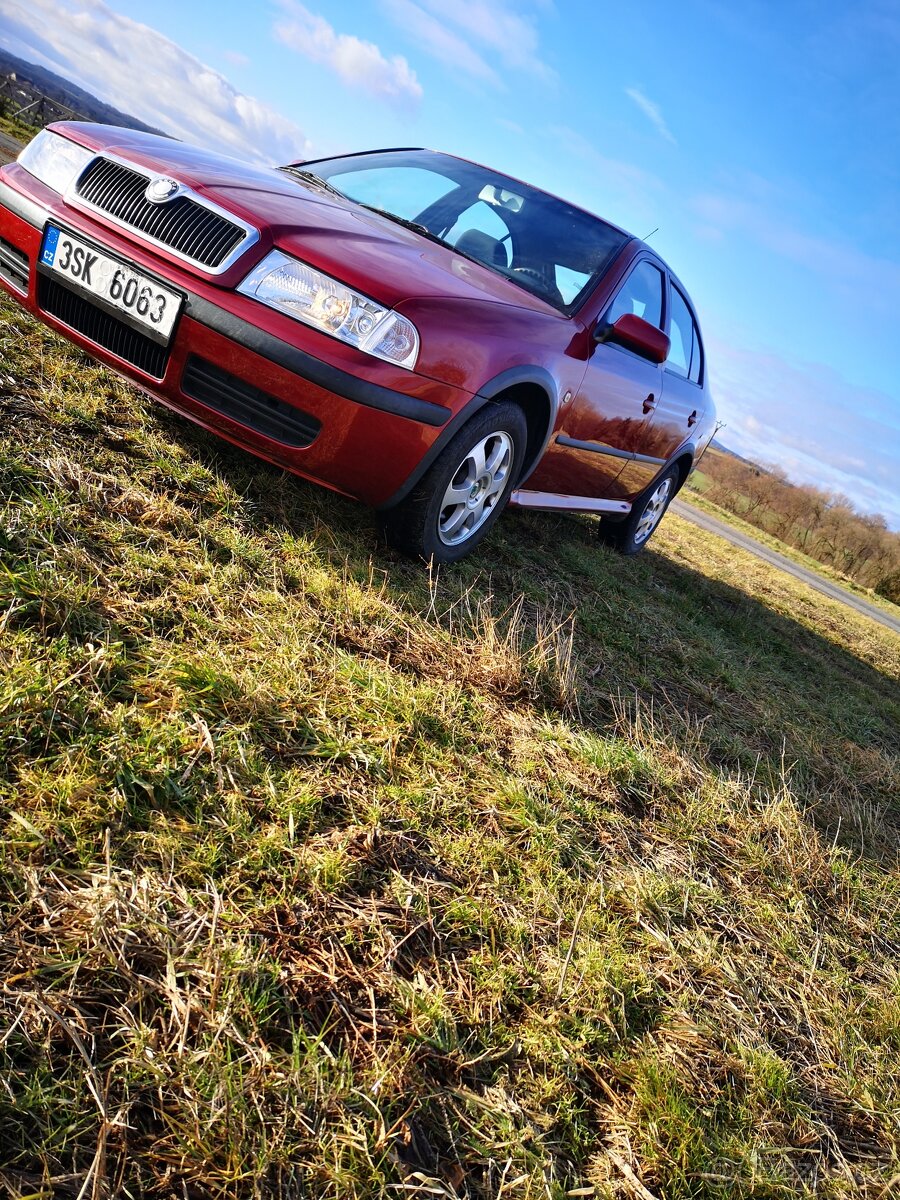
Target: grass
<point>699,481</point>
<point>557,874</point>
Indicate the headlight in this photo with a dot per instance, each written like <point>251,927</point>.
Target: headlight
<point>54,160</point>
<point>318,300</point>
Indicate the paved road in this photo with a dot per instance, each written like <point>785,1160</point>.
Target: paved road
<point>819,582</point>
<point>9,147</point>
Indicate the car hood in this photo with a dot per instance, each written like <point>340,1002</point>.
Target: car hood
<point>362,248</point>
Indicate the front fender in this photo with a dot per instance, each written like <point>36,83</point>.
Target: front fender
<point>531,377</point>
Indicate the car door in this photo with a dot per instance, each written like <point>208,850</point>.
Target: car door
<point>606,424</point>
<point>683,398</point>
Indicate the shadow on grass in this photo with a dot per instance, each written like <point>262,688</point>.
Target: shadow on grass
<point>770,696</point>
<point>364,920</point>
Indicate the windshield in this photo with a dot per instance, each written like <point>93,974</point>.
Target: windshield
<point>549,247</point>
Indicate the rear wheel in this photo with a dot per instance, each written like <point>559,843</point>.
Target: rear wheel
<point>464,491</point>
<point>631,535</point>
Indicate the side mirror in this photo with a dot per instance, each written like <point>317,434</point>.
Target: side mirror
<point>634,333</point>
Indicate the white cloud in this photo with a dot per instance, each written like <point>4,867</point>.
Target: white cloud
<point>503,31</point>
<point>434,37</point>
<point>851,272</point>
<point>357,63</point>
<point>652,112</point>
<point>511,126</point>
<point>142,73</point>
<point>810,420</point>
<point>489,39</point>
<point>618,191</point>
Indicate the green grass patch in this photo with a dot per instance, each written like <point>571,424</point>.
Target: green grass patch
<point>555,874</point>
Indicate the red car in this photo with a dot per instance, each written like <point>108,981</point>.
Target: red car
<point>405,327</point>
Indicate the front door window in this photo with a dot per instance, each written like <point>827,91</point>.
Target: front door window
<point>640,295</point>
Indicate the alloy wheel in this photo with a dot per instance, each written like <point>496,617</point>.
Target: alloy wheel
<point>653,511</point>
<point>475,488</point>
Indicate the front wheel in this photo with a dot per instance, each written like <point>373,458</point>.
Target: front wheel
<point>631,535</point>
<point>464,491</point>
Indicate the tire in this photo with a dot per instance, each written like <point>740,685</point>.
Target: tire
<point>632,535</point>
<point>461,495</point>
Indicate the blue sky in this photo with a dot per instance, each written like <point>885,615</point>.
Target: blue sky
<point>762,140</point>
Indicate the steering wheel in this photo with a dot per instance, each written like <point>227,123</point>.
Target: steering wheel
<point>549,289</point>
<point>538,275</point>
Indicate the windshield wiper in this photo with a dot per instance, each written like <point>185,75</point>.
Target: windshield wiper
<point>314,180</point>
<point>317,181</point>
<point>417,227</point>
<point>404,221</point>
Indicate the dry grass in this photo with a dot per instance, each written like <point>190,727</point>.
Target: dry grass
<point>554,875</point>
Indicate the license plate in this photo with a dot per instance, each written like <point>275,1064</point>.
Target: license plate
<point>140,300</point>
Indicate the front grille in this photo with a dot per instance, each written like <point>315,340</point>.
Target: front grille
<point>101,328</point>
<point>13,265</point>
<point>249,405</point>
<point>184,225</point>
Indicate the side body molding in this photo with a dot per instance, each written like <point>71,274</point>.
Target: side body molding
<point>614,510</point>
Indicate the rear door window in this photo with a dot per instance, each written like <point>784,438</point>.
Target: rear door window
<point>681,336</point>
<point>686,351</point>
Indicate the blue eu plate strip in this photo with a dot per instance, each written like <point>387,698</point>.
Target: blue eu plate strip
<point>48,254</point>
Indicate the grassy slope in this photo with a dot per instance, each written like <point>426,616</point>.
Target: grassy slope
<point>561,874</point>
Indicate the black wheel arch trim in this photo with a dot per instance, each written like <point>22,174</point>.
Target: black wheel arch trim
<point>490,391</point>
<point>518,375</point>
<point>688,450</point>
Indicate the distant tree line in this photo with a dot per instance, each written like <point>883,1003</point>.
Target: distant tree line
<point>824,525</point>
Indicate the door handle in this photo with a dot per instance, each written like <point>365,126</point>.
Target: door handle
<point>692,419</point>
<point>650,403</point>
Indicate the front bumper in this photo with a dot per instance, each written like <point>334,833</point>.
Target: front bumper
<point>371,423</point>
